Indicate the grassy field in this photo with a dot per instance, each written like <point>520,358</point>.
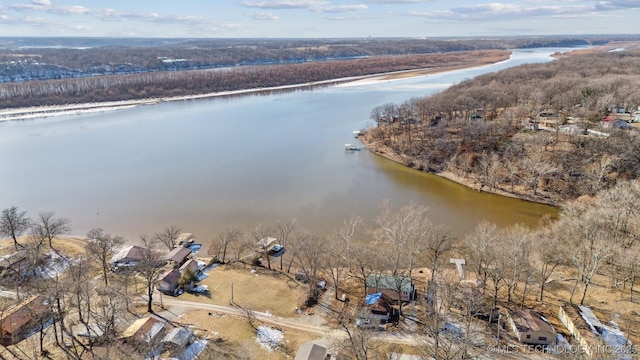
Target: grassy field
<point>258,289</point>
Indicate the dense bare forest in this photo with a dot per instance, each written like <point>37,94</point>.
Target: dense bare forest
<point>484,130</point>
<point>182,83</point>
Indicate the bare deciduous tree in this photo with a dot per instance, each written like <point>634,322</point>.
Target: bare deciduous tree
<point>14,223</point>
<point>587,241</point>
<point>310,262</point>
<point>480,246</point>
<point>100,247</point>
<point>548,257</point>
<point>347,233</point>
<point>335,262</point>
<point>439,242</point>
<point>517,248</point>
<point>285,230</point>
<point>50,226</point>
<point>168,236</point>
<point>149,268</point>
<point>227,238</point>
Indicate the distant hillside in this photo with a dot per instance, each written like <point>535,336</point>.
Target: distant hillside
<point>28,59</point>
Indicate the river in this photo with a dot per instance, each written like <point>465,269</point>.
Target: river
<point>240,160</point>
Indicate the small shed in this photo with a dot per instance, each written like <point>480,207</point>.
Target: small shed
<point>169,281</point>
<point>311,351</point>
<point>177,338</point>
<point>529,327</point>
<point>266,242</point>
<point>143,330</point>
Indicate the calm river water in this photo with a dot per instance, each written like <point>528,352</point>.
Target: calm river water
<point>203,164</point>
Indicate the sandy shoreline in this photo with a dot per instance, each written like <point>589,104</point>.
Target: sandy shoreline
<point>35,112</point>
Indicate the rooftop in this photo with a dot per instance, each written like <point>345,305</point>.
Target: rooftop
<point>129,252</point>
<point>390,282</point>
<point>20,315</point>
<point>144,329</point>
<point>170,276</point>
<point>527,320</point>
<point>179,336</point>
<point>177,255</point>
<point>311,351</point>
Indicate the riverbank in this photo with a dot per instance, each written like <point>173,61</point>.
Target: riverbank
<point>383,151</point>
<point>73,109</point>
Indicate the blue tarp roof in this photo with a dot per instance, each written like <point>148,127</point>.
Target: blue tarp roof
<point>372,298</point>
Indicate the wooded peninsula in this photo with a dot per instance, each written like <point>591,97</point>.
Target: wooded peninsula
<point>544,132</point>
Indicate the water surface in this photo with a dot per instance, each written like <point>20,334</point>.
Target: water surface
<point>205,164</point>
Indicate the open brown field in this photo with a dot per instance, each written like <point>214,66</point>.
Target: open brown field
<point>258,289</point>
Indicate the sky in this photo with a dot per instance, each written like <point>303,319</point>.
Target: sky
<point>316,18</point>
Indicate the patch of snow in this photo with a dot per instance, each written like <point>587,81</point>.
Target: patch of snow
<point>155,330</point>
<point>201,276</point>
<point>210,267</point>
<point>588,321</point>
<point>616,341</point>
<point>269,338</point>
<point>453,330</point>
<point>561,346</point>
<point>193,350</point>
<point>55,265</point>
<point>200,289</point>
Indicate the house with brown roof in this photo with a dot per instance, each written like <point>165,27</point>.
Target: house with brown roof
<point>169,281</point>
<point>177,256</point>
<point>529,327</point>
<point>23,319</point>
<point>128,257</point>
<point>144,330</point>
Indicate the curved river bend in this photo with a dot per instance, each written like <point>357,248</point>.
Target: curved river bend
<point>204,164</point>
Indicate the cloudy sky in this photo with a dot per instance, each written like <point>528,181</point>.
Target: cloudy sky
<point>316,18</point>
